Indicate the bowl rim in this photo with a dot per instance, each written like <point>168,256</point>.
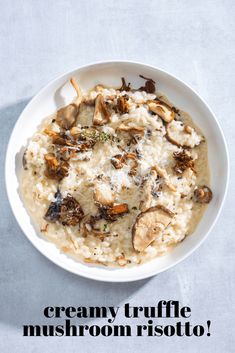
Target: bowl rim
<point>137,277</point>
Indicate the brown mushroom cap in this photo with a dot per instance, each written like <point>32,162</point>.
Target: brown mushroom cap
<point>179,136</point>
<point>149,225</point>
<point>203,194</point>
<point>162,109</point>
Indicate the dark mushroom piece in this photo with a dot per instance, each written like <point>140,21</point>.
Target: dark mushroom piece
<point>55,169</point>
<point>112,213</point>
<point>53,212</point>
<point>66,211</point>
<point>184,160</point>
<point>66,116</point>
<point>149,225</point>
<point>203,194</point>
<point>124,87</point>
<point>70,212</point>
<point>149,86</point>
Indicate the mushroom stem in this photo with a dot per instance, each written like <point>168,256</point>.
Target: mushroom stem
<point>77,89</point>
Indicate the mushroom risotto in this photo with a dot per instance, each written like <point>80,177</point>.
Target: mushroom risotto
<point>117,177</point>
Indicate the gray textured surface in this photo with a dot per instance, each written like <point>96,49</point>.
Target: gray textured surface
<point>39,40</point>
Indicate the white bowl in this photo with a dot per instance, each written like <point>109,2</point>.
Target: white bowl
<point>59,92</point>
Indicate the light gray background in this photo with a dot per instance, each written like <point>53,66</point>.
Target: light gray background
<point>195,40</point>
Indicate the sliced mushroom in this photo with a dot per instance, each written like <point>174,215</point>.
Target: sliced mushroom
<point>66,116</point>
<point>103,194</point>
<point>101,115</point>
<point>162,109</point>
<point>163,174</point>
<point>132,130</point>
<point>176,134</point>
<point>119,160</point>
<point>55,169</point>
<point>149,225</point>
<point>203,194</point>
<point>148,187</point>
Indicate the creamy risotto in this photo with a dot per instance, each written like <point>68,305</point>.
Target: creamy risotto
<point>117,177</point>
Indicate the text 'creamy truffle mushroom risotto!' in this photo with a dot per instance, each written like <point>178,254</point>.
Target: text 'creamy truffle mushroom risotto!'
<point>117,177</point>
